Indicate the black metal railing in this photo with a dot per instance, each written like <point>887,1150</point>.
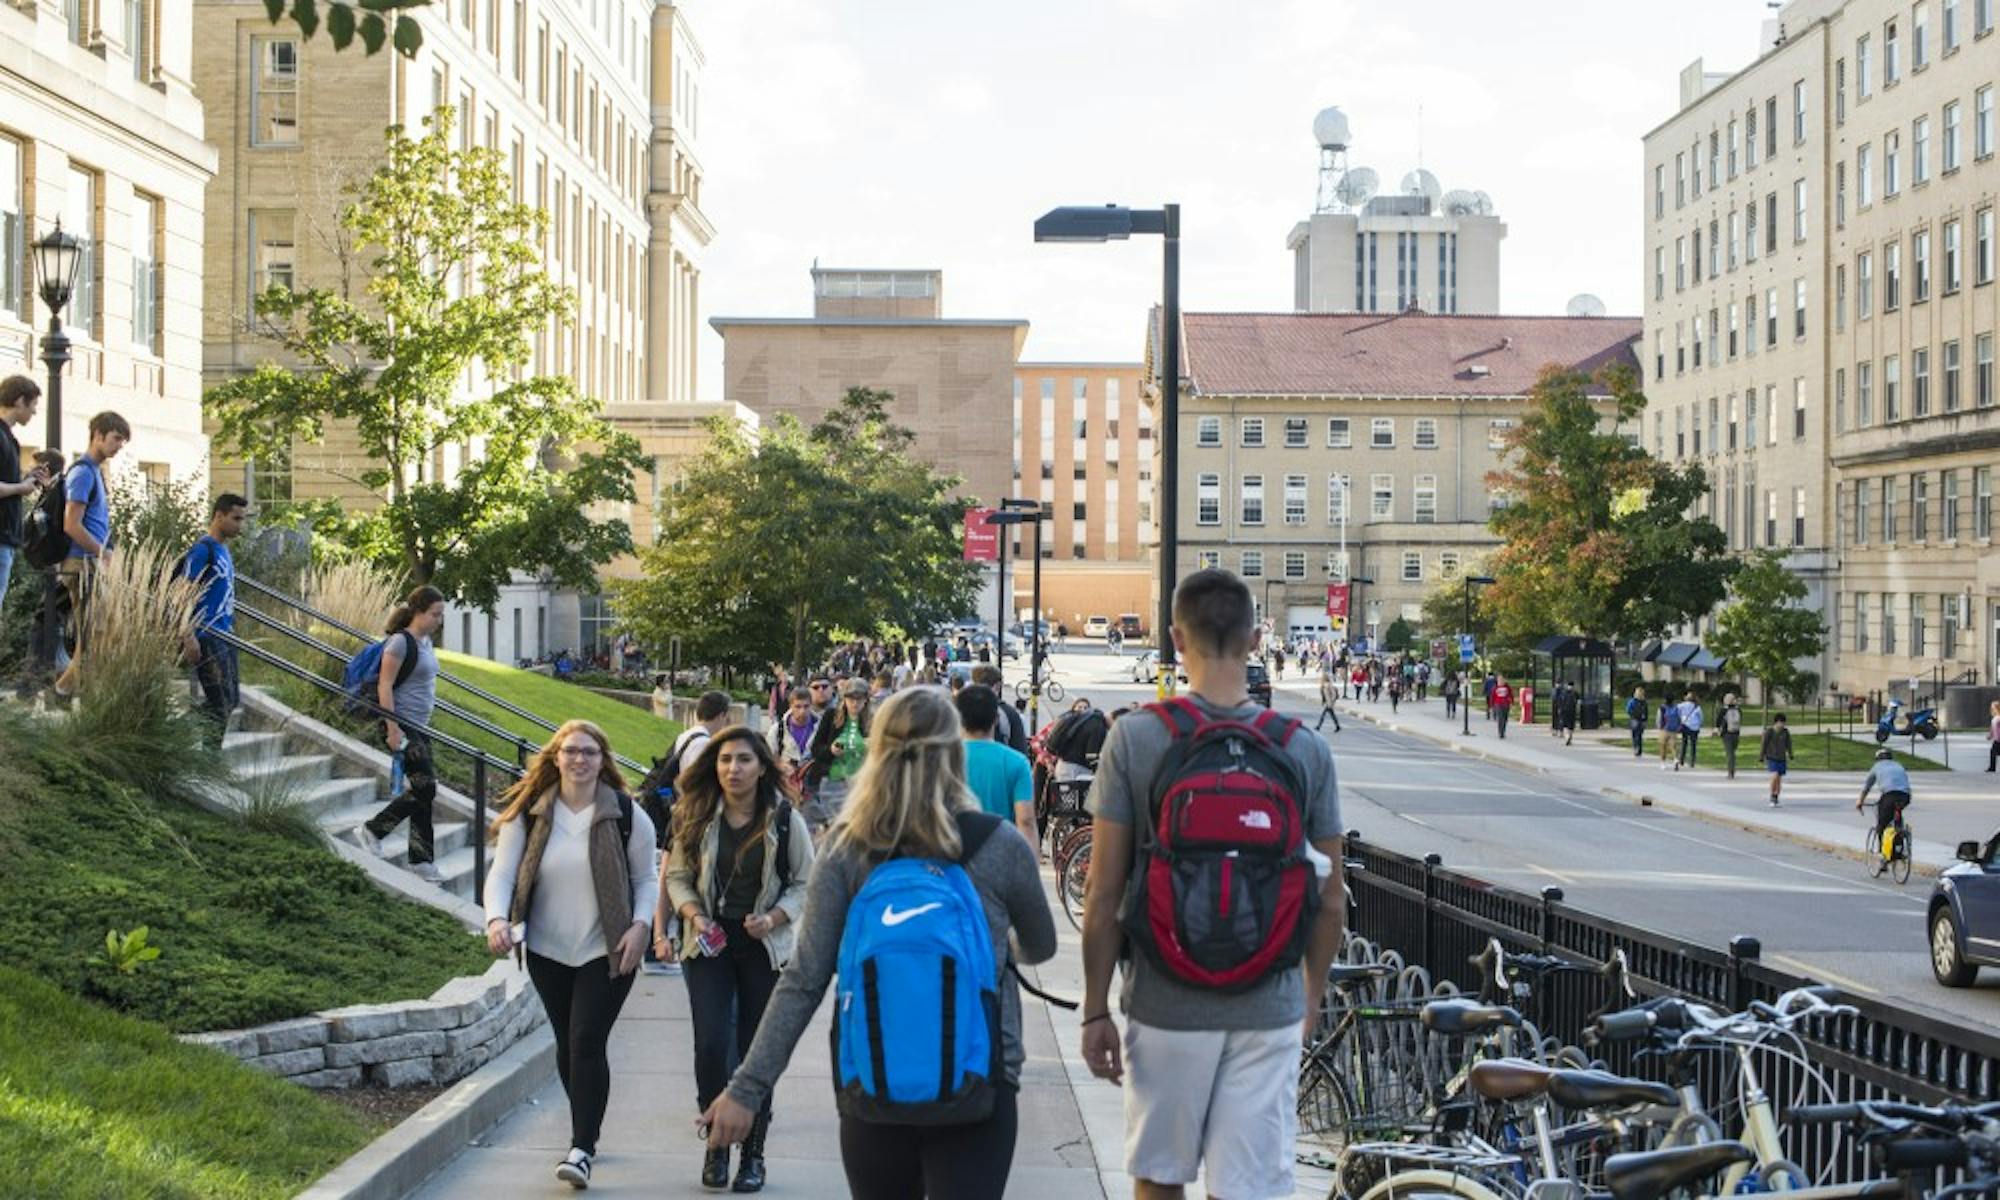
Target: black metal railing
<point>1438,919</point>
<point>481,761</point>
<point>445,677</point>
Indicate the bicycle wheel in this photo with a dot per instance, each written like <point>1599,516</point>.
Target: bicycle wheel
<point>1073,881</point>
<point>1021,690</point>
<point>1899,865</point>
<point>1871,845</point>
<point>1053,690</point>
<point>1432,1182</point>
<point>1323,1103</point>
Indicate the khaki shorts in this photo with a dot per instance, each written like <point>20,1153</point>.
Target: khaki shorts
<point>79,579</point>
<point>1220,1103</point>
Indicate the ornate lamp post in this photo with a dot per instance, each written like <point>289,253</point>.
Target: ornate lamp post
<point>57,256</point>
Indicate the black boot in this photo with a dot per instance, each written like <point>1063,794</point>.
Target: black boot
<point>750,1175</point>
<point>715,1169</point>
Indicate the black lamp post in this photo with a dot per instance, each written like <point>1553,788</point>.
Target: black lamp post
<point>1028,512</point>
<point>57,256</point>
<point>1112,222</point>
<point>1465,702</point>
<point>1355,611</point>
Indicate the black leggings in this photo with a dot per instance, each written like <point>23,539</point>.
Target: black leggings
<point>942,1162</point>
<point>727,995</point>
<point>1887,809</point>
<point>415,802</point>
<point>582,1003</point>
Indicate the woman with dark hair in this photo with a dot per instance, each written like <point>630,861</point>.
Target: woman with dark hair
<point>735,876</point>
<point>839,747</point>
<point>572,888</point>
<point>407,687</point>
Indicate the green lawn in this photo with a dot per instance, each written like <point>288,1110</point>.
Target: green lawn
<point>1811,751</point>
<point>96,1105</point>
<point>251,927</point>
<point>634,733</point>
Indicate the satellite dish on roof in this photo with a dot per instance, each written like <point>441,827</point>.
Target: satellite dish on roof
<point>1330,129</point>
<point>1583,304</point>
<point>1482,204</point>
<point>1422,183</point>
<point>1460,203</point>
<point>1357,187</point>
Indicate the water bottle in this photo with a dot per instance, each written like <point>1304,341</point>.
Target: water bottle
<point>396,776</point>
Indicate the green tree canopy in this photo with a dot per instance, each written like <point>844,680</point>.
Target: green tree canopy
<point>1598,539</point>
<point>375,22</point>
<point>1764,632</point>
<point>770,543</point>
<point>454,281</point>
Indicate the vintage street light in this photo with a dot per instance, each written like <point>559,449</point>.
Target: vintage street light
<point>1465,701</point>
<point>1027,512</point>
<point>57,257</point>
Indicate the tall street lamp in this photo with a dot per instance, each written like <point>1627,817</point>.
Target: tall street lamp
<point>1354,610</point>
<point>1112,222</point>
<point>1028,512</point>
<point>1464,701</point>
<point>57,256</point>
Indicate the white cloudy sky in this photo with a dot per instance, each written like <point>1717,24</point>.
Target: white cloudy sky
<point>930,133</point>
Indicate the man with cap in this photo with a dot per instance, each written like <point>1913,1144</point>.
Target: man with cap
<point>840,746</point>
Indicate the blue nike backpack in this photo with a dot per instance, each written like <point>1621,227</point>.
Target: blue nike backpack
<point>358,680</point>
<point>916,1027</point>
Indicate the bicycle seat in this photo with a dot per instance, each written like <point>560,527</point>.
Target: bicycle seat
<point>1600,1089</point>
<point>1340,974</point>
<point>1651,1174</point>
<point>1453,1017</point>
<point>1509,1079</point>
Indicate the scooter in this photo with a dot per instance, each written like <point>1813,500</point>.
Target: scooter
<point>1922,721</point>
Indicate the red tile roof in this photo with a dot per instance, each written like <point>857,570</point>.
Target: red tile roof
<point>1386,354</point>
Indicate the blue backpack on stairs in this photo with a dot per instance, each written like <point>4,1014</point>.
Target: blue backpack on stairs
<point>916,1027</point>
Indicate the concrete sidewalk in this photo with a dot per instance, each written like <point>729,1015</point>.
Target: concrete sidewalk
<point>1962,804</point>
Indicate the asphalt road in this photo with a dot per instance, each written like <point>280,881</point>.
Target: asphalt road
<point>1815,914</point>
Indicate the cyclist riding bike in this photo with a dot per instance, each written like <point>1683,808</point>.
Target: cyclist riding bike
<point>1894,782</point>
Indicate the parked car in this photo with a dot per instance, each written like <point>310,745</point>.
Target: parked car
<point>1130,626</point>
<point>1096,627</point>
<point>1012,647</point>
<point>1146,668</point>
<point>1964,922</point>
<point>1020,629</point>
<point>1260,684</point>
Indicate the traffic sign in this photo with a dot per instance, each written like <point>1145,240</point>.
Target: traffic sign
<point>1465,648</point>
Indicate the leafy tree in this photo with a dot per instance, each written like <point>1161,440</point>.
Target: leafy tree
<point>768,545</point>
<point>1763,631</point>
<point>373,21</point>
<point>1399,637</point>
<point>455,280</point>
<point>1598,540</point>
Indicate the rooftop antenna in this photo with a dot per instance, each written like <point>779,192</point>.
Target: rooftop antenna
<point>1420,134</point>
<point>1340,189</point>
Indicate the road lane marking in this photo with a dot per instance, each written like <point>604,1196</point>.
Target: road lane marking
<point>1558,876</point>
<point>1840,981</point>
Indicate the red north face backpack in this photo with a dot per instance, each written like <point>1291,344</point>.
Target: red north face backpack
<point>1222,894</point>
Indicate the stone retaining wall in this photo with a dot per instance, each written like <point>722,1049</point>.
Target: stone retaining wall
<point>435,1041</point>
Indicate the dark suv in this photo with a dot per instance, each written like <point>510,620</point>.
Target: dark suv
<point>1260,684</point>
<point>1964,924</point>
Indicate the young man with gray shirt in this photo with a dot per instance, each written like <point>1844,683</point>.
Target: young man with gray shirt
<point>20,396</point>
<point>1211,1078</point>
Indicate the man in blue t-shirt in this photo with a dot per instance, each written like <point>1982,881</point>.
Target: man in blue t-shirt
<point>87,522</point>
<point>209,564</point>
<point>998,774</point>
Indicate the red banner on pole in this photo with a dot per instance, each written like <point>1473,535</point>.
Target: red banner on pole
<point>1336,599</point>
<point>982,541</point>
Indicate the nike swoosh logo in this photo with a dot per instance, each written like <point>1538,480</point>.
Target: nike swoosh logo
<point>892,918</point>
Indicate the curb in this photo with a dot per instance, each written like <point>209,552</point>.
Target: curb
<point>396,1163</point>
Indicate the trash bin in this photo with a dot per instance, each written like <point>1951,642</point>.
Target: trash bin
<point>1590,712</point>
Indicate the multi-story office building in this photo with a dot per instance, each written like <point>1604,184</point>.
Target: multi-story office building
<point>1846,178</point>
<point>594,109</point>
<point>1736,287</point>
<point>1416,247</point>
<point>1320,448</point>
<point>1083,446</point>
<point>100,129</point>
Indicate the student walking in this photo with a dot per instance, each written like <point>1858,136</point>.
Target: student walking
<point>1689,712</point>
<point>911,861</point>
<point>792,736</point>
<point>840,746</point>
<point>571,888</point>
<point>1452,688</point>
<point>1775,748</point>
<point>1636,717</point>
<point>1729,723</point>
<point>1500,703</point>
<point>407,687</point>
<point>1670,730</point>
<point>1329,691</point>
<point>1993,737</point>
<point>998,774</point>
<point>20,396</point>
<point>87,523</point>
<point>1210,1052</point>
<point>209,564</point>
<point>736,880</point>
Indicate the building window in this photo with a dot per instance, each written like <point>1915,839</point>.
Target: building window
<point>82,209</point>
<point>1798,516</point>
<point>1920,382</point>
<point>1840,195</point>
<point>1448,564</point>
<point>1295,433</point>
<point>1982,122</point>
<point>1338,436</point>
<point>1799,407</point>
<point>1920,266</point>
<point>1253,500</point>
<point>1861,512</point>
<point>1425,500</point>
<point>145,246</point>
<point>1861,622</point>
<point>1680,179</point>
<point>1382,433</point>
<point>1207,560</point>
<point>1839,298</point>
<point>1771,518</point>
<point>1381,497</point>
<point>1864,395</point>
<point>1497,430</point>
<point>1918,605</point>
<point>1889,522</point>
<point>1892,276</point>
<point>1798,308</point>
<point>1208,431</point>
<point>1798,210</point>
<point>1952,271</point>
<point>1336,499</point>
<point>1864,176</point>
<point>1949,361</point>
<point>1982,246</point>
<point>1798,111</point>
<point>1659,190</point>
<point>1982,370</point>
<point>13,230</point>
<point>1949,501</point>
<point>1982,503</point>
<point>1208,499</point>
<point>271,254</point>
<point>1426,436</point>
<point>1253,564</point>
<point>1413,566</point>
<point>1295,499</point>
<point>1892,389</point>
<point>1864,285</point>
<point>274,91</point>
<point>1253,433</point>
<point>1295,564</point>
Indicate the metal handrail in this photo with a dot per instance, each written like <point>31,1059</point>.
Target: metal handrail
<point>473,690</point>
<point>480,759</point>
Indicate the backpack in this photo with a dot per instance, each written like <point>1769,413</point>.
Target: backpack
<point>916,1027</point>
<point>1222,894</point>
<point>1731,720</point>
<point>1079,737</point>
<point>44,543</point>
<point>1671,714</point>
<point>1635,708</point>
<point>365,669</point>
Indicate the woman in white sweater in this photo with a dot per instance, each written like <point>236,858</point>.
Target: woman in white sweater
<point>572,887</point>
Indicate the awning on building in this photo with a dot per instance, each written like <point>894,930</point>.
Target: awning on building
<point>1705,660</point>
<point>1677,654</point>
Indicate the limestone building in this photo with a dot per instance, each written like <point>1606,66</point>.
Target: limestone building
<point>100,130</point>
<point>1368,248</point>
<point>1322,448</point>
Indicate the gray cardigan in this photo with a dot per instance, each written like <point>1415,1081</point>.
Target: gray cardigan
<point>1009,882</point>
<point>687,883</point>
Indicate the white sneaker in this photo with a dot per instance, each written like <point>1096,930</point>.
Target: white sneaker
<point>574,1170</point>
<point>428,872</point>
<point>368,840</point>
